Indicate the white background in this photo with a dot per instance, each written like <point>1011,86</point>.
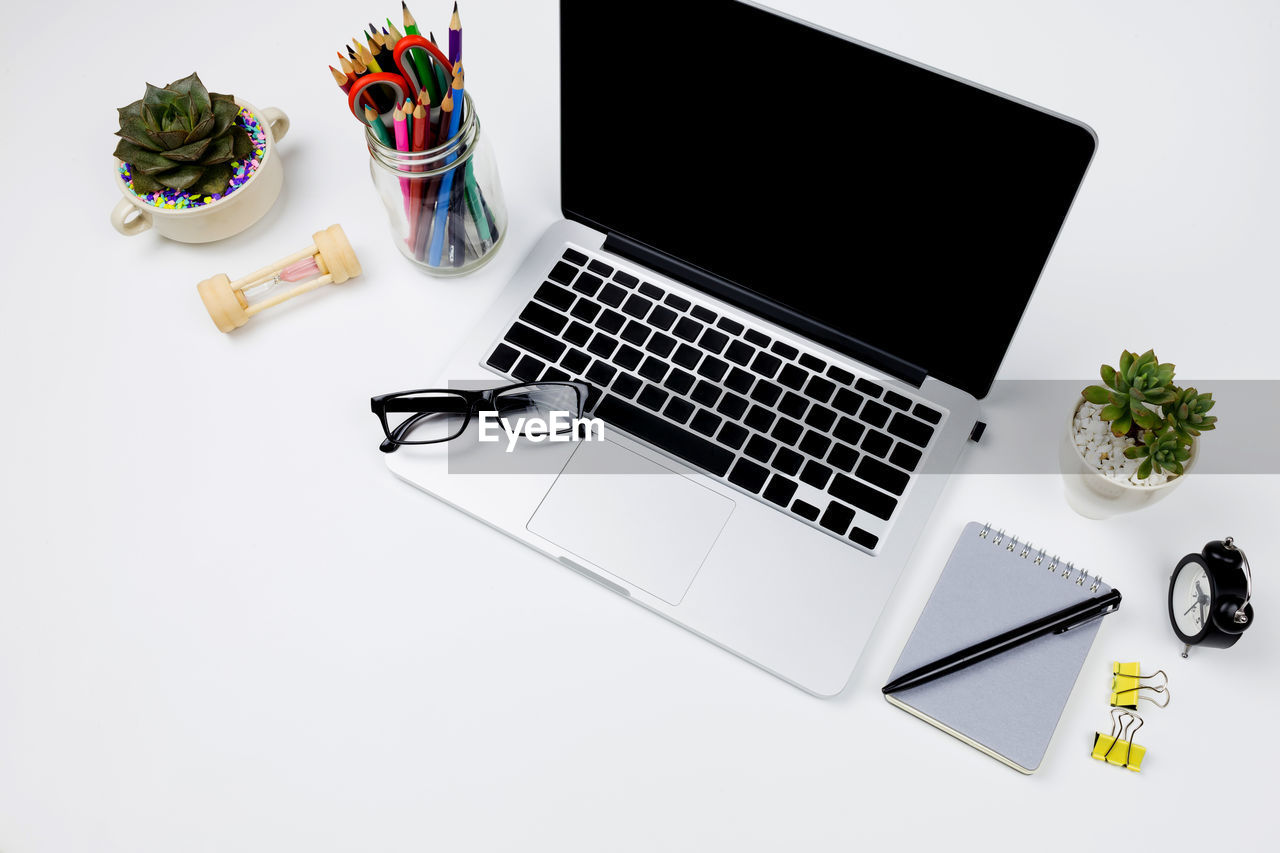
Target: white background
<point>224,626</point>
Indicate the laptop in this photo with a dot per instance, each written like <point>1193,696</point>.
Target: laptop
<point>789,266</point>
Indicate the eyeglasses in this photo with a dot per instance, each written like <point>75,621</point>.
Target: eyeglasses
<point>442,414</point>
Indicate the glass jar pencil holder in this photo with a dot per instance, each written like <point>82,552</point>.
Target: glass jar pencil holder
<point>445,204</point>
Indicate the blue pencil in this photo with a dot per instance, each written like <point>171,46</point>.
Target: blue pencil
<point>446,185</point>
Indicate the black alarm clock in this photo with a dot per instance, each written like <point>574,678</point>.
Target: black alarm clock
<point>1209,596</point>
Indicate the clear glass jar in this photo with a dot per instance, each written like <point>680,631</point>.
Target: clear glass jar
<point>445,204</point>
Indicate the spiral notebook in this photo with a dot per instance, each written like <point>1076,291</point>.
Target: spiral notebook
<point>1007,706</point>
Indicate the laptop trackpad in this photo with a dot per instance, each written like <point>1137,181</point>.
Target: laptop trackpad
<point>632,517</point>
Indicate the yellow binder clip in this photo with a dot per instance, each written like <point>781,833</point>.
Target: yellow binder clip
<point>1126,686</point>
<point>1118,747</point>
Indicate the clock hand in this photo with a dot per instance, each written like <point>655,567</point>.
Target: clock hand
<point>1193,606</point>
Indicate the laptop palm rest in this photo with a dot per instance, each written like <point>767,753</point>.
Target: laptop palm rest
<point>632,517</point>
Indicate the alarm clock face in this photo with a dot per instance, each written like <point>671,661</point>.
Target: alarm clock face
<point>1191,600</point>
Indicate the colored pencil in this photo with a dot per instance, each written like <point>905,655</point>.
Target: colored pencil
<point>344,81</point>
<point>455,35</point>
<point>402,144</point>
<point>424,66</point>
<point>417,142</point>
<point>441,80</point>
<point>374,121</point>
<point>431,196</point>
<point>445,193</point>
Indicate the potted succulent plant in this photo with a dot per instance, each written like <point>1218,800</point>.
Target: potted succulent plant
<point>1132,438</point>
<point>196,165</point>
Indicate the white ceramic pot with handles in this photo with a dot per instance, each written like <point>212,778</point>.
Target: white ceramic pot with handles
<point>219,219</point>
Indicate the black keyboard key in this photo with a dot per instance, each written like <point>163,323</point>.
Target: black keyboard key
<point>875,413</point>
<point>713,341</point>
<point>706,423</point>
<point>636,306</point>
<point>600,268</point>
<point>675,440</point>
<point>662,318</point>
<point>812,362</point>
<point>876,443</point>
<point>766,365</point>
<point>879,474</point>
<point>748,475</point>
<point>587,283</point>
<point>893,398</point>
<point>733,327</point>
<point>653,369</point>
<point>816,474</point>
<point>678,410</point>
<point>849,431</point>
<point>687,356</point>
<point>652,397</point>
<point>760,448</point>
<point>535,342</point>
<point>502,358</point>
<point>905,456</point>
<point>611,321</point>
<point>575,361</point>
<point>679,381</point>
<point>910,429</point>
<point>793,377</point>
<point>732,435</point>
<point>766,392</point>
<point>843,457</point>
<point>732,406</point>
<point>863,538</point>
<point>926,413</point>
<point>585,310</point>
<point>837,518</point>
<point>739,380</point>
<point>866,386</point>
<point>563,272</point>
<point>815,444</point>
<point>848,402</point>
<point>626,385</point>
<point>537,314</point>
<point>705,393</point>
<point>706,315</point>
<point>650,290</point>
<point>593,397</point>
<point>805,511</point>
<point>677,302</point>
<point>863,496</point>
<point>820,389</point>
<point>602,345</point>
<point>635,332</point>
<point>779,490</point>
<point>661,345</point>
<point>554,374</point>
<point>759,418</point>
<point>757,337</point>
<point>612,295</point>
<point>787,431</point>
<point>601,374</point>
<point>740,353</point>
<point>712,368</point>
<point>528,369</point>
<point>578,334</point>
<point>556,297</point>
<point>627,356</point>
<point>784,350</point>
<point>687,329</point>
<point>840,375</point>
<point>625,279</point>
<point>788,461</point>
<point>793,404</point>
<point>574,256</point>
<point>820,417</point>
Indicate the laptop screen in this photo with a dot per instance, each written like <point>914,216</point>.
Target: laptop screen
<point>905,209</point>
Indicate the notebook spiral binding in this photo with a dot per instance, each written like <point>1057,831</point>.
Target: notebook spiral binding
<point>1038,556</point>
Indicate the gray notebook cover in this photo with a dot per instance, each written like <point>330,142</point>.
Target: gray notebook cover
<point>1009,705</point>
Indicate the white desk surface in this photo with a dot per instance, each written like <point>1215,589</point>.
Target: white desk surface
<point>224,626</point>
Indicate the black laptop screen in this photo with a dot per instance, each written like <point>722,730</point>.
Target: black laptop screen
<point>907,210</point>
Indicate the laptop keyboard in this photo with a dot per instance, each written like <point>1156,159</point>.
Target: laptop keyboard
<point>816,440</point>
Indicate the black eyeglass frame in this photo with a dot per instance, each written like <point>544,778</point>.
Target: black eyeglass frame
<point>470,403</point>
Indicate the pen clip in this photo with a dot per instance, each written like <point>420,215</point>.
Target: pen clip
<point>1109,609</point>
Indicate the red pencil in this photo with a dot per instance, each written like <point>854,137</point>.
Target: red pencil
<point>429,200</point>
<point>417,143</point>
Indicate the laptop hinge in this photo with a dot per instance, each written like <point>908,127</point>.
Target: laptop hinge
<point>755,303</point>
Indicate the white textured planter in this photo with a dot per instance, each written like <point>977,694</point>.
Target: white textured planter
<point>219,219</point>
<point>1095,495</point>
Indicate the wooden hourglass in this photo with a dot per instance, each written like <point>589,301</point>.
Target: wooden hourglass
<point>328,260</point>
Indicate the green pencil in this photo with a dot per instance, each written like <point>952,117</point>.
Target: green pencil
<point>424,67</point>
<point>379,129</point>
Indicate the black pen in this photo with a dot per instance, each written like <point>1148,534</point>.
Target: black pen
<point>1054,623</point>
